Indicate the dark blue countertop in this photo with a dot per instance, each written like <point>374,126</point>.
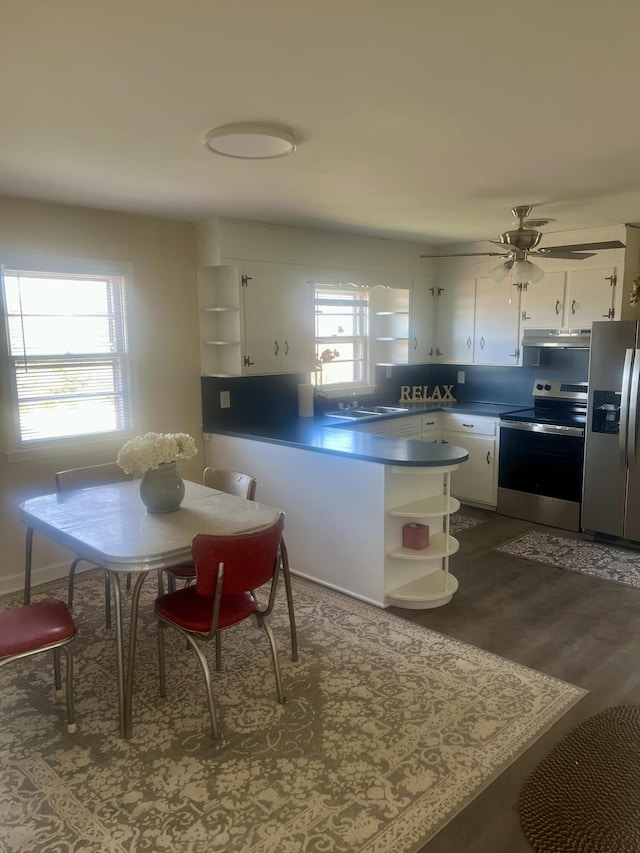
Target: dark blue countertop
<point>332,435</point>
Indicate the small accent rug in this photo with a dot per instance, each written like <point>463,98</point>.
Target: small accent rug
<point>388,731</point>
<point>588,558</point>
<point>585,795</point>
<point>459,522</point>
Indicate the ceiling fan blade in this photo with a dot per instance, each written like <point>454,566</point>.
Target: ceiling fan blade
<point>569,256</point>
<point>470,255</point>
<point>577,247</point>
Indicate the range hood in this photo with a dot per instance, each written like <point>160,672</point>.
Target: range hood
<point>559,338</point>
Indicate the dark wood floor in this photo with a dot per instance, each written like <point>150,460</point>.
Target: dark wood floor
<point>574,627</point>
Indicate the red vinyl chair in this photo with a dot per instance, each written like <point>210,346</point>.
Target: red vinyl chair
<point>231,482</point>
<point>36,628</point>
<point>228,569</point>
<point>243,486</point>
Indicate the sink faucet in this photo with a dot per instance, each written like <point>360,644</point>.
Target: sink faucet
<point>353,402</point>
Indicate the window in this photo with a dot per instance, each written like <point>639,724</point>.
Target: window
<point>341,336</point>
<point>67,354</point>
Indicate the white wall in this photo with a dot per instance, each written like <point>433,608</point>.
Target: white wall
<point>163,325</point>
<point>221,240</point>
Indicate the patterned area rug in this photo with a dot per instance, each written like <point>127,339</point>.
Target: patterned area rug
<point>389,729</point>
<point>606,562</point>
<point>459,522</point>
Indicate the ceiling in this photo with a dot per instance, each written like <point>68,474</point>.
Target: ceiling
<point>416,120</point>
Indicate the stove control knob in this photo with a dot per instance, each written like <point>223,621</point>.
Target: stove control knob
<point>547,387</point>
<point>539,387</point>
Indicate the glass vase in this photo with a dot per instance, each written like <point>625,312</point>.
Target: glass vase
<point>162,488</point>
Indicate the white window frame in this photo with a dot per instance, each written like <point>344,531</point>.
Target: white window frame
<point>364,385</point>
<point>16,448</point>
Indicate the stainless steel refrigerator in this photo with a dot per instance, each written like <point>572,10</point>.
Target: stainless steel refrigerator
<point>611,484</point>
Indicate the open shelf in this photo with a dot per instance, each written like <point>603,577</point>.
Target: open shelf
<point>431,590</point>
<point>440,545</point>
<point>432,507</point>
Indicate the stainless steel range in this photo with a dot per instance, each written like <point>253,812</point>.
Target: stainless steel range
<point>541,456</point>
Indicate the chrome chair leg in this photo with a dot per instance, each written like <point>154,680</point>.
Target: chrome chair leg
<point>57,677</point>
<point>161,659</point>
<point>262,622</point>
<point>284,560</point>
<point>218,652</point>
<point>71,719</point>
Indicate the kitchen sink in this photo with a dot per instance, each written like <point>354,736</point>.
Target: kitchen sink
<point>386,410</point>
<point>353,414</point>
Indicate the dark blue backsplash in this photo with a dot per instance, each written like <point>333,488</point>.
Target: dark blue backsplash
<point>256,399</point>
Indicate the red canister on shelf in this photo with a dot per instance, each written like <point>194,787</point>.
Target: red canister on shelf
<point>415,536</point>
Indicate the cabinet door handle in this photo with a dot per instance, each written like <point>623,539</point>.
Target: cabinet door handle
<point>558,306</point>
<point>610,314</point>
<point>439,351</point>
<point>470,426</point>
<point>415,343</point>
<point>482,342</point>
<point>286,347</point>
<point>429,423</point>
<point>488,457</point>
<point>469,343</point>
<point>573,306</point>
<point>431,351</point>
<point>526,316</point>
<point>276,348</point>
<point>247,361</point>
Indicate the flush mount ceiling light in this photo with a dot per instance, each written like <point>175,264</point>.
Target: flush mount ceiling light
<point>251,141</point>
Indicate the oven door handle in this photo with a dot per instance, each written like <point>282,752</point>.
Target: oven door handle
<point>624,408</point>
<point>633,412</point>
<point>548,429</point>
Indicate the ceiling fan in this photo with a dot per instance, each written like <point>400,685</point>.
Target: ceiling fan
<point>522,242</point>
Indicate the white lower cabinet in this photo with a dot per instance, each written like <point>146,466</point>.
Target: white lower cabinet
<point>419,579</point>
<point>477,480</point>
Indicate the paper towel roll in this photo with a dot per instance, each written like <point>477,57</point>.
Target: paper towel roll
<point>305,401</point>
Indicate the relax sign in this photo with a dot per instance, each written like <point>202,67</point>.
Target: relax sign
<point>420,394</point>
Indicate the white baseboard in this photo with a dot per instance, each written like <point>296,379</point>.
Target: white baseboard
<point>14,583</point>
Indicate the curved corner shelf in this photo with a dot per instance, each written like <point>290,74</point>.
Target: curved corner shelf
<point>431,590</point>
<point>440,545</point>
<point>433,507</point>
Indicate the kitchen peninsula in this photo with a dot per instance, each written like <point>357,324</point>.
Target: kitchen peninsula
<point>347,495</point>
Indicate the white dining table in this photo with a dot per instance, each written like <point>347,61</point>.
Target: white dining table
<point>109,526</point>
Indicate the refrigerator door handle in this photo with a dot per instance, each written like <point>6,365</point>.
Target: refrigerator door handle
<point>624,408</point>
<point>633,412</point>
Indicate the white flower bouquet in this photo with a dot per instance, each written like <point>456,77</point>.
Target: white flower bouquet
<point>154,449</point>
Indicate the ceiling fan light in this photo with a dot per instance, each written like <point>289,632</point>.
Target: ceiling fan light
<point>525,271</point>
<point>499,273</point>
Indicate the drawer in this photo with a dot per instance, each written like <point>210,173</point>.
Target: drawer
<point>407,427</point>
<point>470,424</point>
<point>430,423</point>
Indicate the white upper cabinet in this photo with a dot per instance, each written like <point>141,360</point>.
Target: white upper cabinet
<point>590,296</point>
<point>543,302</point>
<point>278,321</point>
<point>456,319</point>
<point>422,323</point>
<point>255,320</point>
<point>572,300</point>
<point>496,327</point>
<point>478,322</point>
